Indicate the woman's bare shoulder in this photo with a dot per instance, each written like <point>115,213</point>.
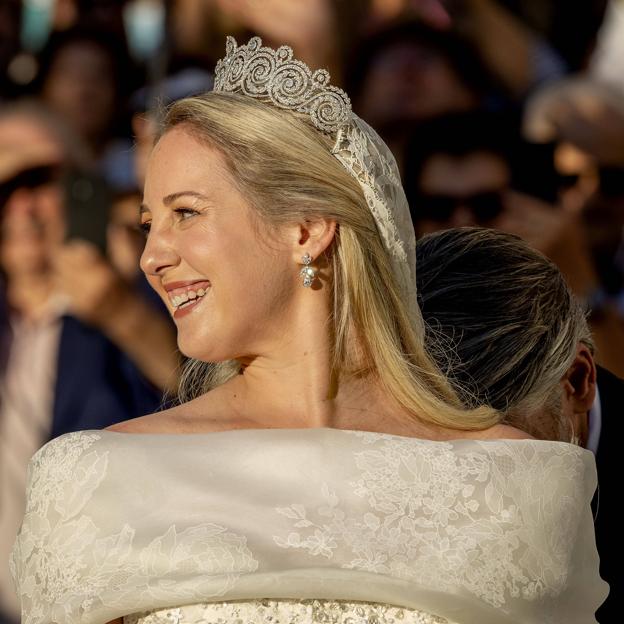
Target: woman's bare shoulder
<point>151,423</point>
<point>197,416</point>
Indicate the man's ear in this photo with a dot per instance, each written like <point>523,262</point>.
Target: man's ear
<point>579,382</point>
<point>312,237</point>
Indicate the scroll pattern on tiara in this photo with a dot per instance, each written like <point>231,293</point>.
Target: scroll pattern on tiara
<point>273,76</point>
<point>285,82</point>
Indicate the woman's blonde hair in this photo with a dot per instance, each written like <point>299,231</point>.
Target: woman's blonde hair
<point>284,167</point>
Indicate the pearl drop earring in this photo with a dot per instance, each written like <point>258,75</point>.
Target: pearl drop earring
<point>307,272</point>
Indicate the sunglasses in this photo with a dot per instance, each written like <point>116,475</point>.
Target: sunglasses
<point>484,207</point>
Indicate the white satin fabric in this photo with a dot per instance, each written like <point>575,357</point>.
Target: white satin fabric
<point>476,532</point>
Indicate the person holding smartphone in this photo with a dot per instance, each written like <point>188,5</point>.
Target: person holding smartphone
<point>79,347</point>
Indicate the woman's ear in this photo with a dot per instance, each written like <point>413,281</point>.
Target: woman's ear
<point>579,382</point>
<point>312,237</point>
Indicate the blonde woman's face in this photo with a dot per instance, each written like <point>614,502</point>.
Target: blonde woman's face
<point>226,280</point>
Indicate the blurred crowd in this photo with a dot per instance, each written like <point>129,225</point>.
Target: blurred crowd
<point>502,113</point>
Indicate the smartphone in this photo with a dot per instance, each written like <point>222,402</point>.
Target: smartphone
<point>87,207</point>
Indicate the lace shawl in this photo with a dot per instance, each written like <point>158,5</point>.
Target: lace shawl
<point>476,532</point>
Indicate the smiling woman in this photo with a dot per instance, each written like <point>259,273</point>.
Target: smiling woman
<point>319,466</point>
<point>209,239</point>
<point>278,211</point>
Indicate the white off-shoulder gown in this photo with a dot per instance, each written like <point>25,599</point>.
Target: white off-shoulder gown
<point>307,525</point>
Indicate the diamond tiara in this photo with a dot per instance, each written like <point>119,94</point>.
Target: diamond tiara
<point>275,77</point>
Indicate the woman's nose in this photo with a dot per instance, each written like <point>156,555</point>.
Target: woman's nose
<point>159,253</point>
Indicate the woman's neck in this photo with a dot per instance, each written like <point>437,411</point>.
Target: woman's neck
<point>289,398</point>
<point>289,384</point>
<point>292,387</point>
<point>290,380</point>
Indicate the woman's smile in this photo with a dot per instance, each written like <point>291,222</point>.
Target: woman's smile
<point>186,295</point>
<point>194,216</point>
<point>193,300</point>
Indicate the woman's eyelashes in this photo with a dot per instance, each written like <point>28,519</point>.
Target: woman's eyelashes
<point>183,214</point>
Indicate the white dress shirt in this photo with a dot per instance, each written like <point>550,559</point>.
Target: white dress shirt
<point>26,409</point>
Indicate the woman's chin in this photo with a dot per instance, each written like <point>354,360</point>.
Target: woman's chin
<point>188,348</point>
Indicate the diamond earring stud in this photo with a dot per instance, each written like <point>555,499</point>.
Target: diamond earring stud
<point>307,272</point>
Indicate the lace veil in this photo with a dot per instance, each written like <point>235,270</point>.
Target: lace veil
<point>274,76</point>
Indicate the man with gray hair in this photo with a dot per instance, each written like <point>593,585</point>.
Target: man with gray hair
<point>504,326</point>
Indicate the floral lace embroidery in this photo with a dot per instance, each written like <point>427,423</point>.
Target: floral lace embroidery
<point>446,520</point>
<point>367,158</point>
<point>493,524</point>
<point>60,556</point>
<point>51,504</point>
<point>286,612</point>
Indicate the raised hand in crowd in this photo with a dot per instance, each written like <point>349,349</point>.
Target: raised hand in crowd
<point>312,28</point>
<point>433,12</point>
<point>582,112</point>
<point>309,27</point>
<point>556,232</point>
<point>88,284</point>
<point>96,294</point>
<point>516,54</point>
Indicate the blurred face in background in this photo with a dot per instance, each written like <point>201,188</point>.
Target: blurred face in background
<point>30,227</point>
<point>412,82</point>
<point>460,190</point>
<point>81,86</point>
<point>31,217</point>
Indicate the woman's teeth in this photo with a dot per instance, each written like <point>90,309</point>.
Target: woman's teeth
<point>190,296</point>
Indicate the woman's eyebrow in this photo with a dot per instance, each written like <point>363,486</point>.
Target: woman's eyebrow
<point>169,199</point>
<point>173,196</point>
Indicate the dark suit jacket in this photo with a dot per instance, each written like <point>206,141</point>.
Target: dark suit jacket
<point>96,385</point>
<point>609,533</point>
